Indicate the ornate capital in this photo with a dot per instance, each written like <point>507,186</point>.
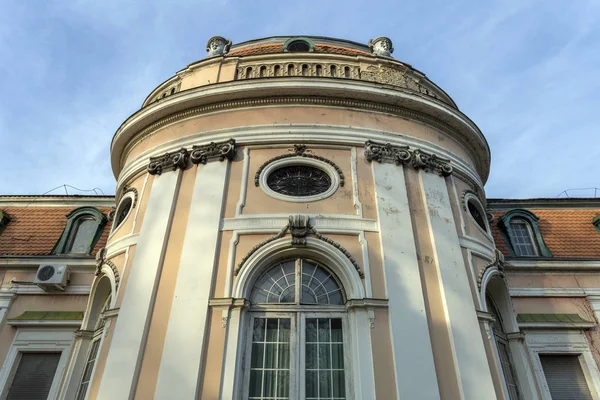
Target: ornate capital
<point>381,46</point>
<point>221,151</point>
<point>168,162</point>
<point>218,46</point>
<point>403,155</point>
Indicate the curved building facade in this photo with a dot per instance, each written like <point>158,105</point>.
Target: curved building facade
<point>304,218</point>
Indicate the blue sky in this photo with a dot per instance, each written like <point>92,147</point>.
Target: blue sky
<point>527,72</point>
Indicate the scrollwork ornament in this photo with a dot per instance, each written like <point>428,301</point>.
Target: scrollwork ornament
<point>403,155</point>
<point>221,151</point>
<point>168,162</point>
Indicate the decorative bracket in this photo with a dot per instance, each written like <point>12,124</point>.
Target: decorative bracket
<point>403,155</point>
<point>220,151</point>
<point>168,162</point>
<point>299,226</point>
<point>299,150</point>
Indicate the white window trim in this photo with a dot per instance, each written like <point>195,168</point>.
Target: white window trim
<point>565,342</point>
<point>127,195</point>
<point>532,237</point>
<point>37,340</point>
<point>333,175</point>
<point>472,197</point>
<point>298,350</point>
<point>98,335</point>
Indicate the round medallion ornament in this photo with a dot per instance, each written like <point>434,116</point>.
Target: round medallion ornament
<point>299,180</point>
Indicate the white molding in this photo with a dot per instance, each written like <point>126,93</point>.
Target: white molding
<point>235,240</point>
<point>364,247</point>
<point>331,223</point>
<point>187,332</point>
<point>35,262</point>
<point>562,342</point>
<point>466,341</point>
<point>404,288</point>
<point>553,292</point>
<point>32,289</point>
<point>126,350</point>
<point>321,135</point>
<point>120,245</point>
<point>476,246</point>
<point>42,339</point>
<point>355,193</point>
<point>127,195</point>
<point>556,325</point>
<point>299,160</point>
<point>557,265</point>
<point>244,185</point>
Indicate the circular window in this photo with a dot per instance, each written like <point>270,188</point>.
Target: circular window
<point>299,180</point>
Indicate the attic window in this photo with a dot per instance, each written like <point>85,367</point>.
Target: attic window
<point>520,227</point>
<point>595,222</point>
<point>299,45</point>
<point>4,220</point>
<point>82,231</point>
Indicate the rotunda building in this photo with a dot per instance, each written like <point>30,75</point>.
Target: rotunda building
<point>300,218</point>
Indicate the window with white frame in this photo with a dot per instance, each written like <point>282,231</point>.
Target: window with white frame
<point>502,346</point>
<point>565,377</point>
<point>92,354</point>
<point>297,341</point>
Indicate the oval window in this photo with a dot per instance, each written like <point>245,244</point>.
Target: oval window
<point>299,180</point>
<point>476,214</point>
<point>298,46</point>
<point>123,211</point>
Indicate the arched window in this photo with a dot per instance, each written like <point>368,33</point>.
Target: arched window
<point>521,229</point>
<point>92,353</point>
<point>503,350</point>
<point>82,231</point>
<point>297,339</point>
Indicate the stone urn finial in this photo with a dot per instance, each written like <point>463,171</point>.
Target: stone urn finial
<point>217,46</point>
<point>381,46</point>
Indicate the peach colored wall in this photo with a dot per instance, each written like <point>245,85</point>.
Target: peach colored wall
<point>294,115</point>
<point>553,281</point>
<point>221,275</point>
<point>383,364</point>
<point>366,184</point>
<point>166,289</point>
<point>126,226</point>
<point>143,201</point>
<point>234,183</point>
<point>258,202</point>
<point>201,76</point>
<point>42,302</point>
<point>554,305</point>
<point>436,318</point>
<point>211,371</point>
<point>376,265</point>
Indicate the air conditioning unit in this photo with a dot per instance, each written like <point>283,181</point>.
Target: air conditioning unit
<point>52,277</point>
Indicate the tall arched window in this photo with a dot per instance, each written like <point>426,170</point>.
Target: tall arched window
<point>297,343</point>
<point>502,347</point>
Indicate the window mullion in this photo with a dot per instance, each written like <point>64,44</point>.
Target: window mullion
<point>298,288</point>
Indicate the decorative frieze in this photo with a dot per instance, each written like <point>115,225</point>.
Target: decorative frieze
<point>299,227</point>
<point>221,151</point>
<point>299,150</point>
<point>403,155</point>
<point>168,162</point>
<point>101,260</point>
<point>497,262</point>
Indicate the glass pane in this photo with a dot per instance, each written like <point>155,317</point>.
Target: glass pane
<point>312,384</point>
<point>311,356</point>
<point>272,332</point>
<point>338,384</point>
<point>255,383</point>
<point>283,384</point>
<point>284,330</point>
<point>271,355</point>
<point>257,355</point>
<point>259,330</point>
<point>324,384</point>
<point>319,286</point>
<point>324,356</point>
<point>311,330</point>
<point>283,356</point>
<point>336,330</point>
<point>276,285</point>
<point>33,377</point>
<point>84,231</point>
<point>324,330</point>
<point>269,384</point>
<point>337,356</point>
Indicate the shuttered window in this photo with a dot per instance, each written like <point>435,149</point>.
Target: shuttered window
<point>565,378</point>
<point>34,376</point>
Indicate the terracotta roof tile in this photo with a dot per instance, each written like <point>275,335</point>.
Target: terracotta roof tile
<point>34,230</point>
<point>566,232</point>
<point>272,48</point>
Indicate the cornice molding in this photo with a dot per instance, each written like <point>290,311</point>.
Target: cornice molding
<point>323,222</point>
<point>299,150</point>
<point>362,95</point>
<point>403,155</point>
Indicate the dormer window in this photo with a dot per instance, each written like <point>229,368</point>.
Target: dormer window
<point>523,242</point>
<point>524,238</point>
<point>82,231</point>
<point>299,45</point>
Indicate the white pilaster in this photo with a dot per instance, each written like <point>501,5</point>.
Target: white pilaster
<point>470,359</point>
<point>127,346</point>
<point>230,382</point>
<point>182,357</point>
<point>413,357</point>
